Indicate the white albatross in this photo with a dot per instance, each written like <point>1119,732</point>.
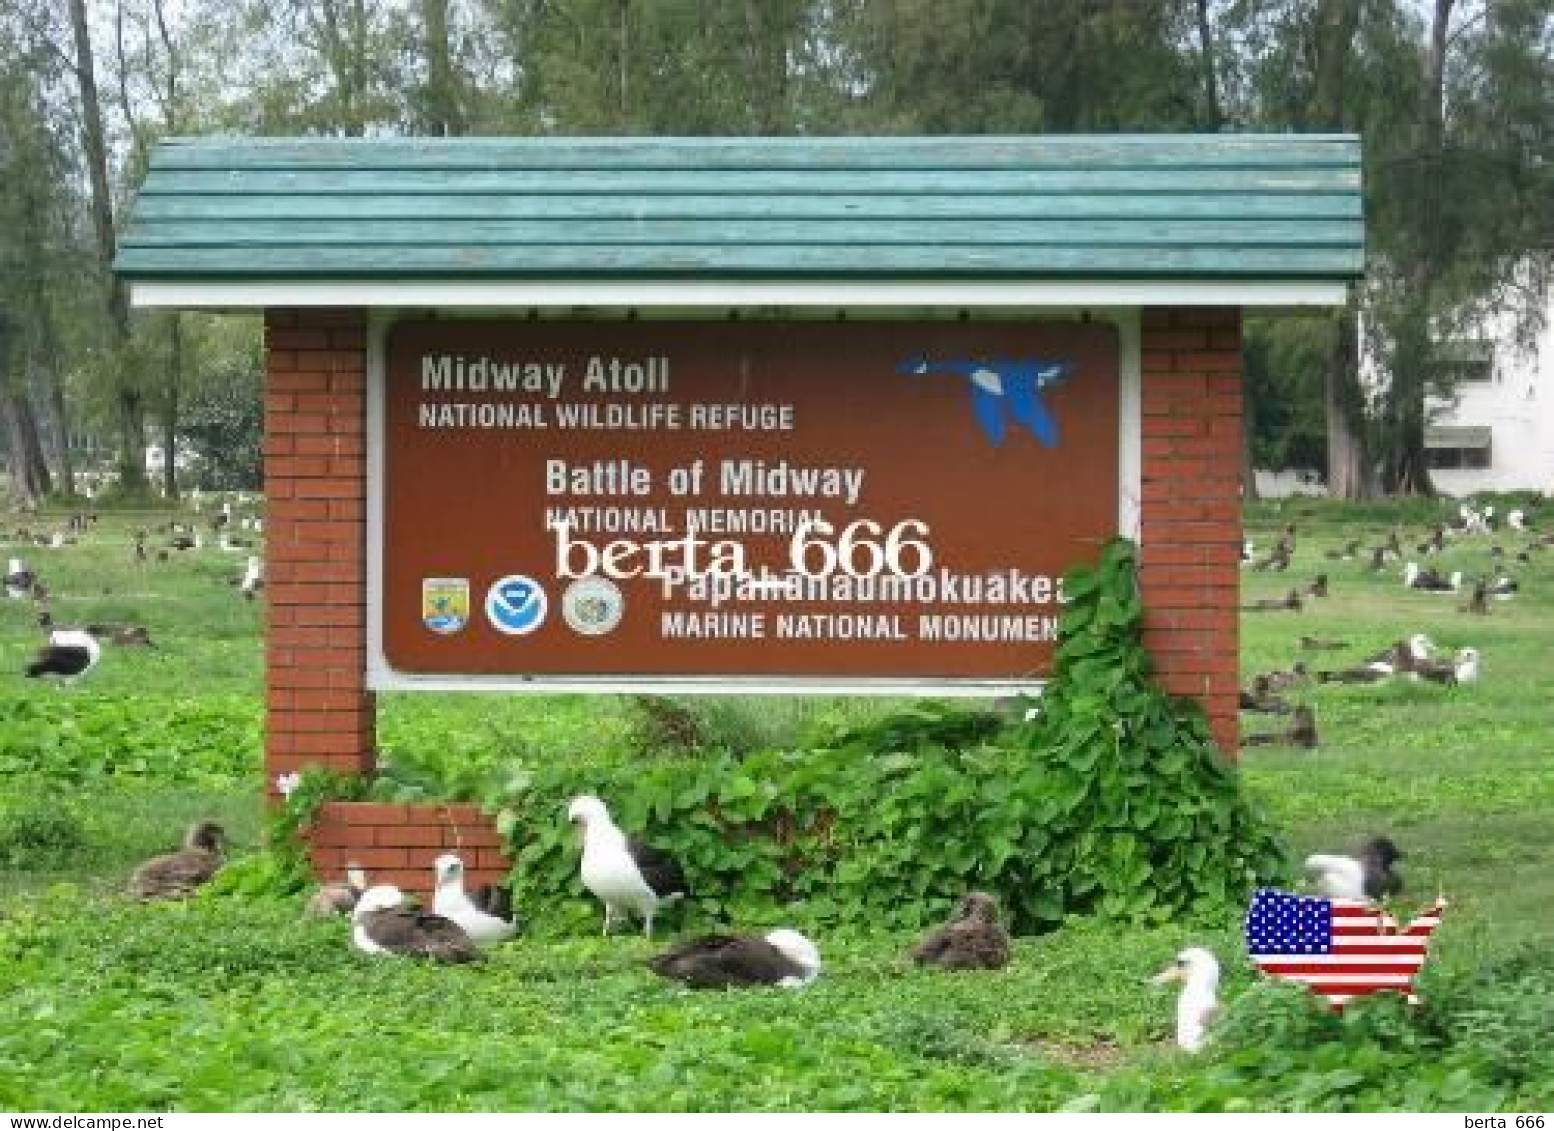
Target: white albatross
<point>1198,1003</point>
<point>451,901</point>
<point>626,874</point>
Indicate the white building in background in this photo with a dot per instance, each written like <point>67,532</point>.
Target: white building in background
<point>1497,433</point>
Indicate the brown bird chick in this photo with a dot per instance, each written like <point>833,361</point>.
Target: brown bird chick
<point>338,898</point>
<point>124,635</point>
<point>1290,600</point>
<point>1317,644</point>
<point>1260,698</point>
<point>1302,733</point>
<point>1285,680</point>
<point>973,940</point>
<point>1318,588</point>
<point>179,874</point>
<point>1479,602</point>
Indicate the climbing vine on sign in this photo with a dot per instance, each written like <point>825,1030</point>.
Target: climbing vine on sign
<point>1113,801</point>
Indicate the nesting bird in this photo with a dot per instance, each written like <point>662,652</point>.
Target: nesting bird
<point>1290,600</point>
<point>383,923</point>
<point>180,874</point>
<point>18,580</point>
<point>1197,1005</point>
<point>338,898</point>
<point>717,962</point>
<point>973,940</point>
<point>69,654</point>
<point>1302,732</point>
<point>452,902</point>
<point>1367,875</point>
<point>625,873</point>
<point>253,577</point>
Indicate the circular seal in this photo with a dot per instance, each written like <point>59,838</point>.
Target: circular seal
<point>516,605</point>
<point>593,606</point>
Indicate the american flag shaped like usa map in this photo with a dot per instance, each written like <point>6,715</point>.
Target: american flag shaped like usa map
<point>1339,948</point>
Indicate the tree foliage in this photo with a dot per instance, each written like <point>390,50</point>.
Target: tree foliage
<point>1453,98</point>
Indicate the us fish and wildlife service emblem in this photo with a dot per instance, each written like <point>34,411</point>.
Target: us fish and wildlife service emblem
<point>445,604</point>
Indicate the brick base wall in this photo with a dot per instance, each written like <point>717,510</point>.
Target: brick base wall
<point>1190,551</point>
<point>319,710</point>
<point>396,844</point>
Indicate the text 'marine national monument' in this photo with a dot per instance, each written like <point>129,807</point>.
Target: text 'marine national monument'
<point>665,414</point>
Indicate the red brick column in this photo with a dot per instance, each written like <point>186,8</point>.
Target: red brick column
<point>315,472</point>
<point>1191,543</point>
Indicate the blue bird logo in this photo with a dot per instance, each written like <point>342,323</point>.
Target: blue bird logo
<point>1003,390</point>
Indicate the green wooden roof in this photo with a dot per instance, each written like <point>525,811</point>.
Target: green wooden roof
<point>1221,207</point>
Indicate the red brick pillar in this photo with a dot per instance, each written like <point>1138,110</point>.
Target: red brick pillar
<point>319,710</point>
<point>1191,544</point>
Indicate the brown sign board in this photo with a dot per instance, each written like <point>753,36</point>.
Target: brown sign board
<point>619,500</point>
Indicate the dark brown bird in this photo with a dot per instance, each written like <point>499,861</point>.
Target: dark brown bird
<point>973,940</point>
<point>383,923</point>
<point>1317,644</point>
<point>1318,588</point>
<point>1290,600</point>
<point>124,635</point>
<point>1479,602</point>
<point>1284,680</point>
<point>1350,551</point>
<point>719,962</point>
<point>180,874</point>
<point>1302,732</point>
<point>1261,699</point>
<point>1278,559</point>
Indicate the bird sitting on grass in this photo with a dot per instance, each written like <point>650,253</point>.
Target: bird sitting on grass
<point>1367,875</point>
<point>18,580</point>
<point>383,923</point>
<point>973,940</point>
<point>1317,644</point>
<point>338,898</point>
<point>1260,698</point>
<point>1290,600</point>
<point>1478,604</point>
<point>1463,668</point>
<point>182,873</point>
<point>1197,1005</point>
<point>451,901</point>
<point>1302,732</point>
<point>625,874</point>
<point>69,654</point>
<point>718,962</point>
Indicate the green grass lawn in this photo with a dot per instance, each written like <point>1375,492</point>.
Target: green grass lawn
<point>225,1005</point>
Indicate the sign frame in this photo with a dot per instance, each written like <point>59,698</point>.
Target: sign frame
<point>382,676</point>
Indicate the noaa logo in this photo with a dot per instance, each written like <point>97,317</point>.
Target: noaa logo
<point>516,605</point>
<point>593,606</point>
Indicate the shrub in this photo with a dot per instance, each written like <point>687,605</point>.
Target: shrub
<point>1114,800</point>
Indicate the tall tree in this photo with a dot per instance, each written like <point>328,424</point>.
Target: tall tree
<point>129,400</point>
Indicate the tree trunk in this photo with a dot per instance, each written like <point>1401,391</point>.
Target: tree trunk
<point>29,472</point>
<point>1213,117</point>
<point>444,113</point>
<point>127,399</point>
<point>1337,23</point>
<point>175,366</point>
<point>622,63</point>
<point>1345,454</point>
